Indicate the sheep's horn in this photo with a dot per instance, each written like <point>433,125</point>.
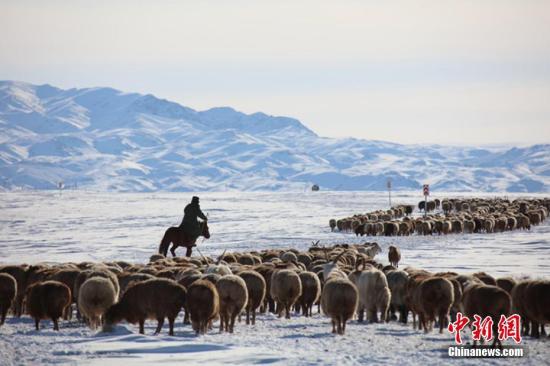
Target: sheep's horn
<point>203,257</point>
<point>221,257</point>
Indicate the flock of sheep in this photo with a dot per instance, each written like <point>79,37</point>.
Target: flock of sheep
<point>475,215</point>
<point>345,281</point>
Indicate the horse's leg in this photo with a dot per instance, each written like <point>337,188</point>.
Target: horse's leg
<point>173,249</point>
<point>189,251</point>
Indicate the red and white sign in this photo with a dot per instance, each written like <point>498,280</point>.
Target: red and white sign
<point>482,328</point>
<point>426,189</point>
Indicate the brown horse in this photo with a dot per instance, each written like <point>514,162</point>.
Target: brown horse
<point>178,238</point>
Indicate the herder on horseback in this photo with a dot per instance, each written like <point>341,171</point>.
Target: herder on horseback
<point>190,225</point>
<point>188,231</point>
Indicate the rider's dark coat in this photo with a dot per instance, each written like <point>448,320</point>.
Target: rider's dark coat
<point>190,224</point>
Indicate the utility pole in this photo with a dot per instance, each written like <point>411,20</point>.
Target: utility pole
<point>388,184</point>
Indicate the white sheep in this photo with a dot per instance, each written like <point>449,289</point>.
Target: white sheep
<point>374,295</point>
<point>96,295</point>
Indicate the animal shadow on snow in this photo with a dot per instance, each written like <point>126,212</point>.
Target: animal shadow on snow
<point>171,349</point>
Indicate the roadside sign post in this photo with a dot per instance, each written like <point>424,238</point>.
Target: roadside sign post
<point>426,191</point>
<point>388,184</point>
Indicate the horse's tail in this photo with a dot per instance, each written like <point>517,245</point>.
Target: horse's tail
<point>164,243</point>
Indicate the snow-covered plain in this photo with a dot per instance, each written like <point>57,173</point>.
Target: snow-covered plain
<point>81,225</point>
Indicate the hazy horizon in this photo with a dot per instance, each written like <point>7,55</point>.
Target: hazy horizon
<point>438,72</point>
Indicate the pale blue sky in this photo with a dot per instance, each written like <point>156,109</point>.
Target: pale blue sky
<point>438,71</point>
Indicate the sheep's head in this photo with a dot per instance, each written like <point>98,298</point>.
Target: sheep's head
<point>375,249</point>
<point>113,316</point>
<point>221,269</point>
<point>330,267</point>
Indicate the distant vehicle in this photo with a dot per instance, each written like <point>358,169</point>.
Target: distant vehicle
<point>315,188</point>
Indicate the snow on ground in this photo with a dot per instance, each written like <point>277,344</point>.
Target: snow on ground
<point>81,225</point>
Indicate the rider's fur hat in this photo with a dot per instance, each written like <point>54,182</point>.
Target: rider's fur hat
<point>195,199</point>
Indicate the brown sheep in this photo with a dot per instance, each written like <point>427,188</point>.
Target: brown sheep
<point>212,277</point>
<point>500,224</point>
<point>286,288</point>
<point>469,226</point>
<point>405,228</point>
<point>233,297</point>
<point>311,292</point>
<point>247,259</point>
<point>489,225</point>
<point>305,259</point>
<point>536,303</point>
<point>391,228</point>
<point>534,217</point>
<point>512,223</point>
<point>518,304</point>
<point>446,207</point>
<point>465,280</point>
<point>289,257</point>
<point>506,283</point>
<point>523,222</point>
<point>47,300</point>
<point>457,290</point>
<point>256,287</point>
<point>457,226</point>
<point>68,277</point>
<point>8,291</point>
<point>360,230</point>
<point>152,299</point>
<point>415,279</point>
<point>434,297</point>
<point>397,283</point>
<point>203,304</point>
<point>156,257</point>
<point>20,275</point>
<point>486,278</point>
<point>486,300</point>
<point>339,301</point>
<point>425,228</point>
<point>446,227</point>
<point>394,256</point>
<point>126,279</point>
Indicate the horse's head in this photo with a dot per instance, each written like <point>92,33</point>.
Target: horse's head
<point>205,231</point>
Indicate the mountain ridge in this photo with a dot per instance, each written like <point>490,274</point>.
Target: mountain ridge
<point>106,139</point>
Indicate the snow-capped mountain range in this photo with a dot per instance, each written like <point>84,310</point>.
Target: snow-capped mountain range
<point>105,139</point>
